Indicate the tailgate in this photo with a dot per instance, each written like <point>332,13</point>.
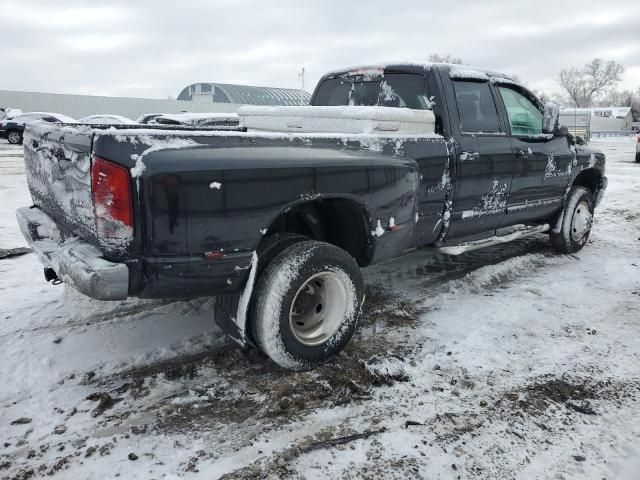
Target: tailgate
<point>58,168</point>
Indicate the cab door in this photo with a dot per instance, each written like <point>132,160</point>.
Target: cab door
<point>484,164</point>
<point>543,163</point>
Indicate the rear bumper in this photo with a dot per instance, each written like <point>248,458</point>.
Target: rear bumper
<point>76,263</point>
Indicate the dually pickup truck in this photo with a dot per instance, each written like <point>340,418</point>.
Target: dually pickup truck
<point>275,216</point>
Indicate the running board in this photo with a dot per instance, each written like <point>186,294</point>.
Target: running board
<point>488,242</point>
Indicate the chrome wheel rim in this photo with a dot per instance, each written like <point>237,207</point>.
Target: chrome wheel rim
<point>581,222</point>
<point>318,308</point>
<point>14,137</point>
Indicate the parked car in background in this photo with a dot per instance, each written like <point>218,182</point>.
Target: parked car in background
<point>198,119</point>
<point>146,118</point>
<point>7,113</point>
<point>107,119</point>
<point>13,128</point>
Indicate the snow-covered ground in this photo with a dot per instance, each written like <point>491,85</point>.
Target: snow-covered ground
<point>509,362</point>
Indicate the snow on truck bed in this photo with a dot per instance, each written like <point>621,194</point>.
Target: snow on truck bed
<point>338,119</point>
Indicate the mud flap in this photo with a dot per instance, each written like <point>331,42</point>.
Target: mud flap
<point>231,310</point>
<point>226,309</point>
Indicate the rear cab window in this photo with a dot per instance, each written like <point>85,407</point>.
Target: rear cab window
<point>403,90</point>
<point>476,107</point>
<point>416,91</point>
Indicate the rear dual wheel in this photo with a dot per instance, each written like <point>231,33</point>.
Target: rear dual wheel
<point>306,304</point>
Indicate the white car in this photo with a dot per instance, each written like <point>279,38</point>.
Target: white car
<point>107,119</point>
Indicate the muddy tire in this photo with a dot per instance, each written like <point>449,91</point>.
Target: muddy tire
<point>307,304</point>
<point>574,225</point>
<point>273,245</point>
<point>14,137</point>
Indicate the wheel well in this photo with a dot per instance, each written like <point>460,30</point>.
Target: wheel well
<point>589,178</point>
<point>341,222</point>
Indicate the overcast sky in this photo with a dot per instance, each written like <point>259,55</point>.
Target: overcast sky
<point>153,48</point>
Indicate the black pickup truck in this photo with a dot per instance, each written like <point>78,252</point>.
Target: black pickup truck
<point>274,217</point>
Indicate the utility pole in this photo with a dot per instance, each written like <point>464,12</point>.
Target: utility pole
<point>301,75</point>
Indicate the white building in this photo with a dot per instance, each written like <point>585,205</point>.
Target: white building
<point>197,98</point>
<point>577,121</point>
<point>604,118</point>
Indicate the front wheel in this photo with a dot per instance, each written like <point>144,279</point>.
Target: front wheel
<point>307,304</point>
<point>637,157</point>
<point>574,226</point>
<point>14,137</point>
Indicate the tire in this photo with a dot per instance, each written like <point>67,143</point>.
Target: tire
<point>274,244</point>
<point>324,284</point>
<point>575,221</point>
<point>637,157</point>
<point>14,137</point>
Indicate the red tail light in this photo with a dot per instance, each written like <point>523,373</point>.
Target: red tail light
<point>112,201</point>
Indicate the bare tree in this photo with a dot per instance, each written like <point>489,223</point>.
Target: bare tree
<point>584,86</point>
<point>615,98</point>
<point>542,96</point>
<point>448,58</point>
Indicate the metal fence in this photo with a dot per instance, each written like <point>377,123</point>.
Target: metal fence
<point>612,133</point>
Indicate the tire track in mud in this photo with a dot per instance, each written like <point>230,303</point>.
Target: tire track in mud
<point>426,276</point>
<point>99,317</point>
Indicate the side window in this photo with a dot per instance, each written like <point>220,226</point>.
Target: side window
<point>476,107</point>
<point>524,116</point>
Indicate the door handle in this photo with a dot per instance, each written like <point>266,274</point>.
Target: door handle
<point>522,154</point>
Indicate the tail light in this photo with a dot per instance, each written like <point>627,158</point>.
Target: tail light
<point>112,200</point>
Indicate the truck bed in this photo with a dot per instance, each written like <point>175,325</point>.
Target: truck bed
<point>196,192</point>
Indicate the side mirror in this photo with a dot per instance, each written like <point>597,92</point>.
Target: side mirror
<point>550,118</point>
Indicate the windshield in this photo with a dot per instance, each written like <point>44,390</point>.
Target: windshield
<point>402,90</point>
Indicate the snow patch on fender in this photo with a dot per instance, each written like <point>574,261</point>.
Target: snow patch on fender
<point>379,231</point>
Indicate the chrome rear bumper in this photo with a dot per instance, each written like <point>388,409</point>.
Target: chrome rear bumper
<point>77,263</point>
